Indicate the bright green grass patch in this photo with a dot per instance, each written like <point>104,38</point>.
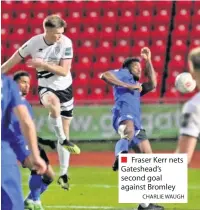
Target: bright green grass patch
<point>96,188</point>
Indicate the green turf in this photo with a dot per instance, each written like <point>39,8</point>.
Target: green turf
<point>96,188</point>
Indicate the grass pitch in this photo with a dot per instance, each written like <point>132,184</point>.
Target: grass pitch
<point>96,188</point>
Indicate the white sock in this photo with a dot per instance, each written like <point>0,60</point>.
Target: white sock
<point>58,128</point>
<point>38,202</point>
<point>64,156</point>
<point>144,205</point>
<point>29,200</point>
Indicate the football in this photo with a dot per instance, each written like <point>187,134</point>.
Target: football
<point>184,83</point>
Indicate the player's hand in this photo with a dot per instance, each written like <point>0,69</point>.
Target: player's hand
<point>35,63</point>
<point>39,165</point>
<point>146,53</point>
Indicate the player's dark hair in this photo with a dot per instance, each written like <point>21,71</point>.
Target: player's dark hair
<point>54,21</point>
<point>129,60</point>
<point>20,74</point>
<point>194,57</point>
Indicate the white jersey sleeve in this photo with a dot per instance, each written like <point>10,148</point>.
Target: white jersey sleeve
<point>68,49</point>
<point>190,124</point>
<point>26,48</point>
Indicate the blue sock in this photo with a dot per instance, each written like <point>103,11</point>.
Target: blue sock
<point>43,187</point>
<point>35,184</point>
<point>45,183</point>
<point>121,145</point>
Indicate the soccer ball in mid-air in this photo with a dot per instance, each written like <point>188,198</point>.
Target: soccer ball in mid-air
<point>184,83</point>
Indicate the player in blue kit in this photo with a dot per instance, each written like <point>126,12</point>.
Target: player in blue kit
<point>19,144</point>
<point>127,110</point>
<point>37,183</point>
<point>11,194</point>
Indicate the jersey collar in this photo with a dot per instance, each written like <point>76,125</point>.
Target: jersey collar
<point>46,42</point>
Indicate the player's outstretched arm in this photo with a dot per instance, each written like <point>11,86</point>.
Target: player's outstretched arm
<point>111,79</point>
<point>11,62</point>
<point>149,72</point>
<point>29,131</point>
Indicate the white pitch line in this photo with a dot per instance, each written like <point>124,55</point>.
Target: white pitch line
<point>87,207</point>
<point>84,185</point>
<point>190,187</point>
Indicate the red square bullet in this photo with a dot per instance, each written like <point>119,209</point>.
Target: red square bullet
<point>123,159</point>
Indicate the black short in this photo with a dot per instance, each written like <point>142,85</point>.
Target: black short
<point>65,97</point>
<point>142,135</point>
<point>43,155</point>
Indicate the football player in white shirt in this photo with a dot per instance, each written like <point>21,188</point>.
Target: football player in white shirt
<point>190,125</point>
<point>52,55</point>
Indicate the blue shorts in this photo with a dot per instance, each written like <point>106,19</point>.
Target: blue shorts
<point>21,150</point>
<point>11,192</point>
<point>125,112</point>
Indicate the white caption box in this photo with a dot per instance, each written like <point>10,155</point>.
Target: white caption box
<point>153,178</point>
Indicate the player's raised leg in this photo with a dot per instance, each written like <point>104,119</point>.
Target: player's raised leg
<point>143,142</point>
<point>126,132</point>
<point>67,116</point>
<point>145,146</point>
<point>51,101</point>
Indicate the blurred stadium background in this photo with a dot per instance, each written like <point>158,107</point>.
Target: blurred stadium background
<point>103,34</point>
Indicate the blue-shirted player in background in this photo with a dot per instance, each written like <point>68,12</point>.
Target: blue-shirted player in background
<point>127,110</point>
<point>37,183</point>
<point>19,144</point>
<point>11,193</point>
